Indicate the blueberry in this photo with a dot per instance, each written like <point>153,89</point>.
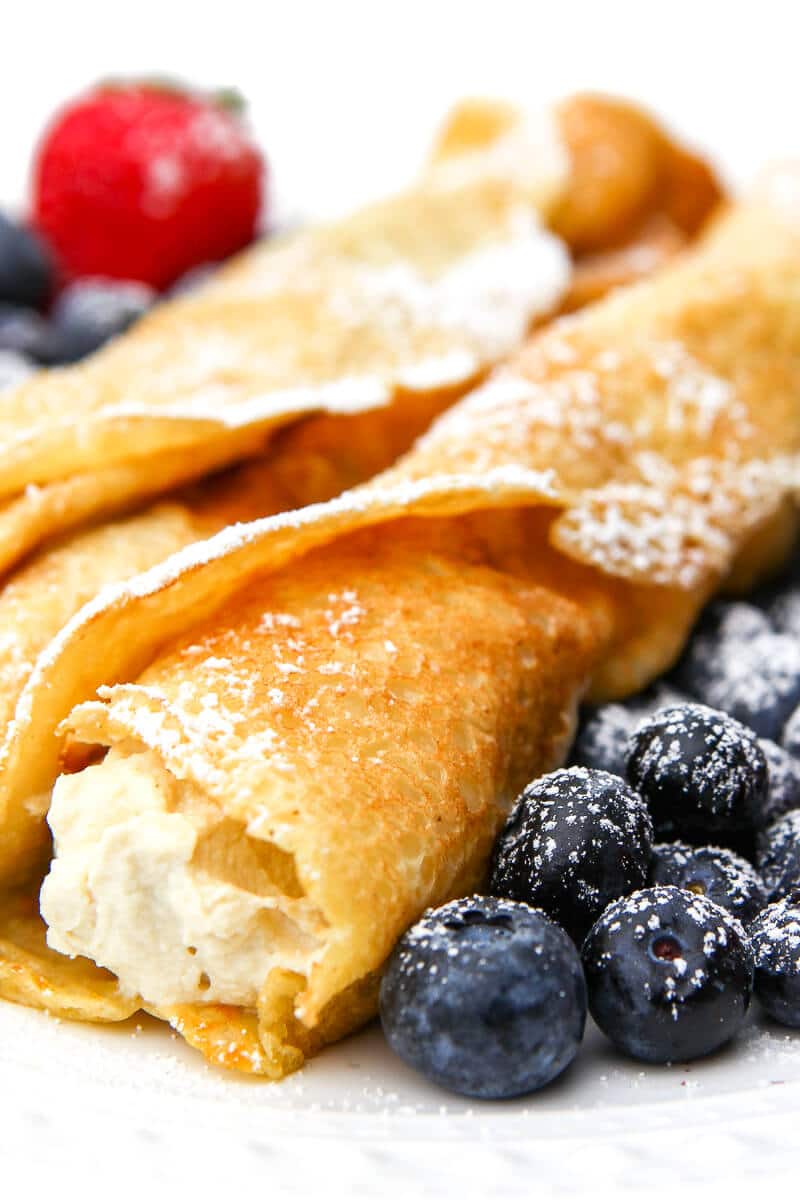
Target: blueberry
<point>485,997</point>
<point>779,855</point>
<point>791,734</point>
<point>669,974</point>
<point>23,331</point>
<point>702,773</point>
<point>785,611</point>
<point>602,740</point>
<point>14,368</point>
<point>783,792</point>
<point>775,942</point>
<point>575,840</point>
<point>90,312</point>
<point>26,269</point>
<point>724,877</point>
<point>731,621</point>
<point>737,663</point>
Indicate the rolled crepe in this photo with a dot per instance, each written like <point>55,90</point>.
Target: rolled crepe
<point>411,299</point>
<point>315,724</point>
<point>311,460</point>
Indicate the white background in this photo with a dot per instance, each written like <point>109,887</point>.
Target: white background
<point>344,95</point>
<point>345,98</point>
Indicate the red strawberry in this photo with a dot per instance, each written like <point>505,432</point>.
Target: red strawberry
<point>142,181</point>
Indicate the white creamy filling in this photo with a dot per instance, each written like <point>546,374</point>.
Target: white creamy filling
<point>148,881</point>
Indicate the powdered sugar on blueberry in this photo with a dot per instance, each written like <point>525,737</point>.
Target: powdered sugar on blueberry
<point>575,840</point>
<point>700,771</point>
<point>669,974</point>
<point>779,855</point>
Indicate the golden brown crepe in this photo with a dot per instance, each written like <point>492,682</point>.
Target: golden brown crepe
<point>310,461</point>
<point>316,722</point>
<point>406,303</point>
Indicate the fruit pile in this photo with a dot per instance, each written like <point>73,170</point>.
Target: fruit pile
<point>655,882</point>
<point>136,189</point>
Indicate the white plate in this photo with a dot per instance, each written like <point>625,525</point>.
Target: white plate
<point>136,1094</point>
<point>344,96</point>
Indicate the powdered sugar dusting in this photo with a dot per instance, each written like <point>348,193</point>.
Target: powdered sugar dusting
<point>779,855</point>
<point>775,936</point>
<point>602,740</point>
<point>726,766</point>
<point>213,719</point>
<point>658,900</point>
<point>724,877</point>
<point>659,486</point>
<point>746,669</point>
<point>784,781</point>
<point>695,397</point>
<point>364,506</point>
<point>423,291</point>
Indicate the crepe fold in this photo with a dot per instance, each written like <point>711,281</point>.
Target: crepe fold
<point>412,299</point>
<point>316,722</point>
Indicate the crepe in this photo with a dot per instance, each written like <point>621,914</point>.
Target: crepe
<point>415,294</point>
<point>409,300</point>
<point>310,461</point>
<point>316,722</point>
<point>635,198</point>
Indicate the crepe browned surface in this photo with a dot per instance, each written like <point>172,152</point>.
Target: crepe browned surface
<point>368,649</point>
<point>412,298</point>
<point>386,669</point>
<point>309,462</point>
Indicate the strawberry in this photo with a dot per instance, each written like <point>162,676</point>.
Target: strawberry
<point>142,181</point>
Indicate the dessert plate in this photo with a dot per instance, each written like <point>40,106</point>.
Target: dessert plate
<point>356,1115</point>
